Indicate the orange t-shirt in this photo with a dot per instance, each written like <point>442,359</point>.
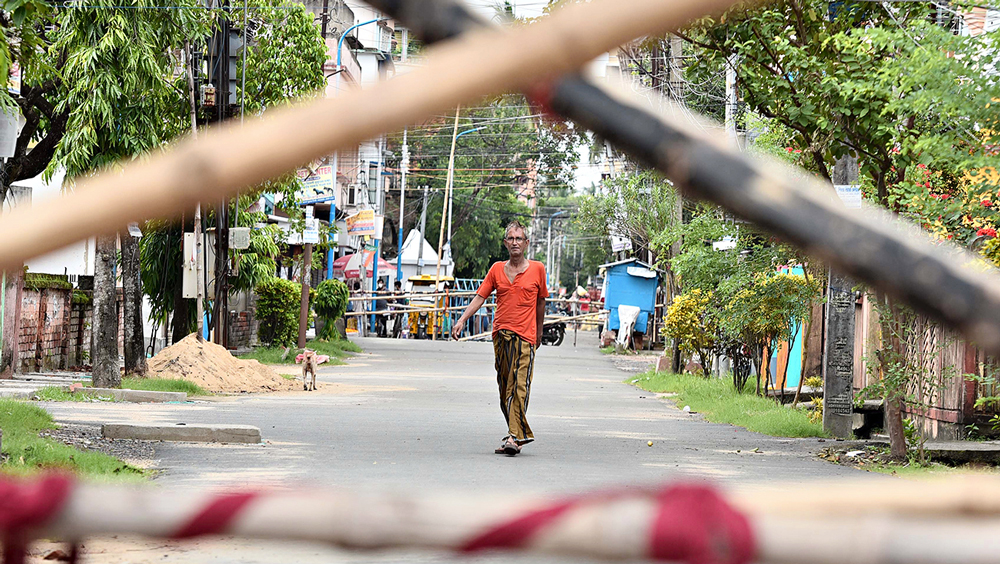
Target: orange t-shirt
<point>517,300</point>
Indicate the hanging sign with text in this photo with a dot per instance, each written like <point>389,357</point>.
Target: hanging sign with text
<point>850,195</point>
<point>361,223</point>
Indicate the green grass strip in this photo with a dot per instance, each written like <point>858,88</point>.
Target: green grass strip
<point>336,349</point>
<point>164,385</point>
<point>58,393</point>
<point>719,402</point>
<point>26,453</point>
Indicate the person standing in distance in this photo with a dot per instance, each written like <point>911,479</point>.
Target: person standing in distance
<point>517,331</point>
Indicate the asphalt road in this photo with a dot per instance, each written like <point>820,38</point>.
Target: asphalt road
<point>406,412</point>
<point>409,414</point>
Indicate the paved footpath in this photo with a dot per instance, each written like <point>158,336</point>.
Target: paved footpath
<point>409,414</point>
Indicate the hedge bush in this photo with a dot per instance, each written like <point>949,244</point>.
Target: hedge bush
<point>278,304</point>
<point>330,304</point>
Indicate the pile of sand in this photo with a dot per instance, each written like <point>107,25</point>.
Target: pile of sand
<point>213,368</point>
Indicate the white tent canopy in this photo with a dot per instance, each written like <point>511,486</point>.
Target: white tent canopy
<point>411,254</point>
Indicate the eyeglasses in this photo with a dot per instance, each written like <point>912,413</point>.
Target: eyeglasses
<point>515,239</point>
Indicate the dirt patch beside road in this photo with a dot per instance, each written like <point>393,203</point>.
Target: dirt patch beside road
<point>140,454</point>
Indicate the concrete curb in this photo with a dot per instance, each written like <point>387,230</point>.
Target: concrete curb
<point>137,396</point>
<point>197,433</point>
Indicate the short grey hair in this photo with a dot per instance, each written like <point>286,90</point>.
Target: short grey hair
<point>515,225</point>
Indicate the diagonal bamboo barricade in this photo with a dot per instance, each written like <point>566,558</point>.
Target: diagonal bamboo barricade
<point>951,521</point>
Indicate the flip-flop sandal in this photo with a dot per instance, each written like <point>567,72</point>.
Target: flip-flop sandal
<point>510,448</point>
<point>500,449</point>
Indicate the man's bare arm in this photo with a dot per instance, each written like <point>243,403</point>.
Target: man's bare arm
<point>476,303</point>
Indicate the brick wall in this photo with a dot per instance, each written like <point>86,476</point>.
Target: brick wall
<point>45,322</point>
<point>78,351</point>
<point>241,328</point>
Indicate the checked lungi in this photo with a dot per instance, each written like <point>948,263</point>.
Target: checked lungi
<point>515,363</point>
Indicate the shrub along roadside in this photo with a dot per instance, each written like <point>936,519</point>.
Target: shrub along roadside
<point>719,402</point>
<point>278,305</point>
<point>336,349</point>
<point>25,452</point>
<point>330,305</point>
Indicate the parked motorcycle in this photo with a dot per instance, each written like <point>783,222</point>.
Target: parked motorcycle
<point>422,323</point>
<point>553,333</point>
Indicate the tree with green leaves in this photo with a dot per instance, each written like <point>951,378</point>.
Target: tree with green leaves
<point>284,62</point>
<point>515,157</point>
<point>889,84</point>
<point>640,206</point>
<point>28,36</point>
<point>120,93</point>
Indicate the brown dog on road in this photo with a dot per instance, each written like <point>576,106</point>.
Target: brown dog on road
<point>309,365</point>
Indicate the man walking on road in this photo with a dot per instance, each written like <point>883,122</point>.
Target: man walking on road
<point>517,331</point>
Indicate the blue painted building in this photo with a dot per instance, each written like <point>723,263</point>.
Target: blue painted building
<point>630,282</point>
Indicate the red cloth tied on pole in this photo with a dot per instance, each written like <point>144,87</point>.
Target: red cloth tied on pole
<point>693,524</point>
<point>26,505</point>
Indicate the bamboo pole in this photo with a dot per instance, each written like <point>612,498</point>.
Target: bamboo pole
<point>926,522</point>
<point>547,317</point>
<point>228,158</point>
<point>411,310</point>
<point>368,296</point>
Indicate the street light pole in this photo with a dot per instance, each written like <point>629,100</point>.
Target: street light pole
<point>402,203</point>
<point>444,211</point>
<point>548,250</point>
<point>451,172</point>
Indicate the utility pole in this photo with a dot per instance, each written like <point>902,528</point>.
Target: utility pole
<point>446,211</point>
<point>451,171</point>
<point>402,204</point>
<point>221,46</point>
<point>304,308</point>
<point>838,350</point>
<point>325,18</point>
<point>731,62</point>
<point>548,250</point>
<point>559,256</point>
<point>677,93</point>
<point>423,226</point>
<point>199,251</point>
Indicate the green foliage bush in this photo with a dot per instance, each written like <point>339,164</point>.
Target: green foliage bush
<point>278,303</point>
<point>689,322</point>
<point>330,304</point>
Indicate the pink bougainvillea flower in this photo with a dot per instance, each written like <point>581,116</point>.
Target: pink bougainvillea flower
<point>921,165</point>
<point>987,203</point>
<point>987,231</point>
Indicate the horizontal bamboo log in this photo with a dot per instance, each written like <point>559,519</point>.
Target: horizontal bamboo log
<point>547,319</point>
<point>368,296</point>
<point>411,310</point>
<point>925,522</point>
<point>230,158</point>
